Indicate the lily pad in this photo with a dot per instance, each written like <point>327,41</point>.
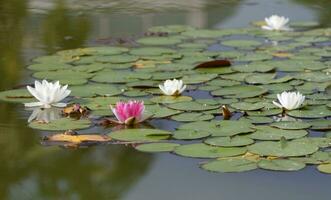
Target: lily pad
<point>157,147</point>
<point>191,117</point>
<point>291,125</point>
<point>140,135</point>
<point>283,149</point>
<point>229,165</point>
<point>91,90</point>
<point>311,112</point>
<point>325,168</point>
<point>200,150</point>
<point>240,91</point>
<point>229,141</point>
<point>269,133</point>
<point>192,106</point>
<point>247,106</point>
<point>281,165</point>
<point>190,134</point>
<point>170,99</point>
<point>16,96</point>
<point>231,128</point>
<point>61,124</point>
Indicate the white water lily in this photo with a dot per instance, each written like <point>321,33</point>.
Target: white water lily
<point>173,87</point>
<point>275,22</point>
<point>290,100</point>
<point>48,94</point>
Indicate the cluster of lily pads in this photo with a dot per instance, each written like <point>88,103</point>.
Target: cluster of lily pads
<point>162,78</point>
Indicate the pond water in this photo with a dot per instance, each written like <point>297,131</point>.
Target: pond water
<point>30,170</point>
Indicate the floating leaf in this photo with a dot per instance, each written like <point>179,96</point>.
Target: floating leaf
<point>281,165</point>
<point>292,148</point>
<point>269,133</point>
<point>189,134</point>
<point>157,147</point>
<point>291,125</point>
<point>229,141</point>
<point>61,124</point>
<point>200,150</point>
<point>229,165</point>
<point>16,95</point>
<point>192,106</point>
<point>140,135</point>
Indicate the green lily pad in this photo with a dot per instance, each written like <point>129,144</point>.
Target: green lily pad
<point>190,134</point>
<point>240,91</point>
<point>229,165</point>
<point>229,141</point>
<point>140,135</point>
<point>292,125</point>
<point>61,124</point>
<point>117,59</point>
<point>16,96</point>
<point>253,67</point>
<point>48,66</point>
<point>311,112</point>
<point>247,106</point>
<point>91,90</point>
<point>322,124</point>
<point>200,150</point>
<point>198,78</point>
<point>170,99</point>
<point>241,43</point>
<point>192,106</point>
<point>257,120</point>
<point>231,128</point>
<point>70,77</point>
<point>283,149</point>
<point>191,117</point>
<point>157,147</point>
<point>269,133</point>
<point>160,112</point>
<point>281,165</point>
<point>325,168</point>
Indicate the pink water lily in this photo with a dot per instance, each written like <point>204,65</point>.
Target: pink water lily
<point>129,113</point>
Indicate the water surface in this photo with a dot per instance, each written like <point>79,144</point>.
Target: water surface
<point>29,170</point>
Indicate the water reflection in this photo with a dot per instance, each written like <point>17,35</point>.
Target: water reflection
<point>322,8</point>
<point>60,30</point>
<point>44,115</point>
<point>12,16</point>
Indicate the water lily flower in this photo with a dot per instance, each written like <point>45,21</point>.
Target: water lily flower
<point>275,22</point>
<point>129,113</point>
<point>48,94</point>
<point>172,87</point>
<point>290,100</point>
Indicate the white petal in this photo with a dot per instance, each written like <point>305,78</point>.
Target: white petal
<point>277,104</point>
<point>33,104</point>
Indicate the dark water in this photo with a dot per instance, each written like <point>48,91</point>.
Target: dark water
<point>29,170</point>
